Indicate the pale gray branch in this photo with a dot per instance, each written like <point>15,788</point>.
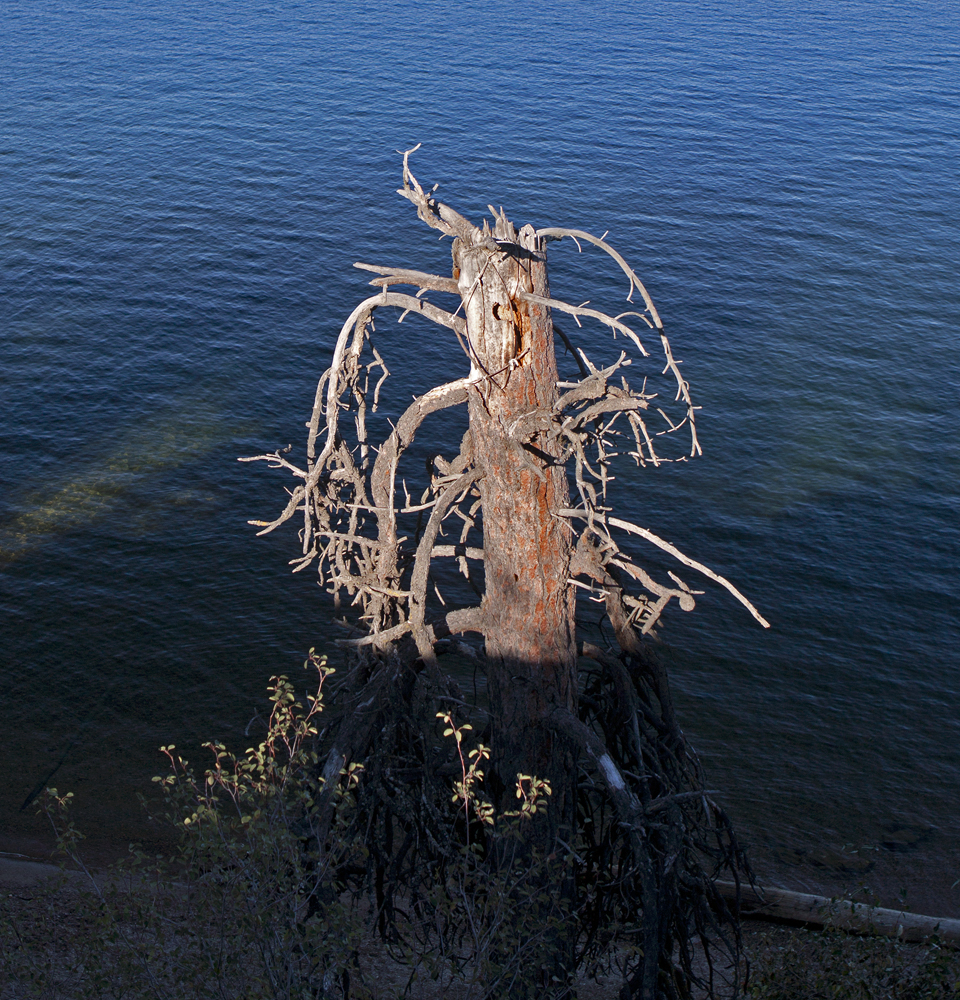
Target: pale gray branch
<point>558,233</point>
<point>402,275</point>
<point>610,321</point>
<point>687,561</point>
<point>362,313</point>
<point>634,529</point>
<point>288,512</point>
<point>421,565</point>
<point>456,550</point>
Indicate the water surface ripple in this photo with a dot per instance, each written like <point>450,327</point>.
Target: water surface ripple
<point>184,190</point>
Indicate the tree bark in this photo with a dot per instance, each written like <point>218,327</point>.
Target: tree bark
<point>528,608</point>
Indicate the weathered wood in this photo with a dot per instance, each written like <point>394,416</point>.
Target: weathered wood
<point>526,500</point>
<point>859,918</point>
<point>528,608</point>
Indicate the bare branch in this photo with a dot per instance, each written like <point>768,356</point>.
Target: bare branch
<point>404,276</point>
<point>572,350</point>
<point>634,529</point>
<point>683,391</point>
<point>610,321</point>
<point>456,550</point>
<point>687,561</point>
<point>557,233</point>
<point>288,512</point>
<point>436,214</point>
<point>361,315</point>
<point>421,566</point>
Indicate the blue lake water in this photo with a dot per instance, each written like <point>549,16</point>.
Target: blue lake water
<point>183,191</point>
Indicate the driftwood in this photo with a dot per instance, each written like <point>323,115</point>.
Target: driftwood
<point>504,540</point>
<point>859,918</point>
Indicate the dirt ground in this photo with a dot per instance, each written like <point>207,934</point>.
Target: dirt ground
<point>788,962</point>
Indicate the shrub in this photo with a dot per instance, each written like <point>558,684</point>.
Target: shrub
<point>260,902</point>
<point>248,906</point>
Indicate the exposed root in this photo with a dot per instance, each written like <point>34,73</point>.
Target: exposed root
<point>647,841</point>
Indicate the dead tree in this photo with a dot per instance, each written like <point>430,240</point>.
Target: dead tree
<point>522,508</point>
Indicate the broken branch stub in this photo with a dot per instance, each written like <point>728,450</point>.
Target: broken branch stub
<point>518,518</point>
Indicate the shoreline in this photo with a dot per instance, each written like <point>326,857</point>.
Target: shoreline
<point>19,871</point>
<point>34,857</point>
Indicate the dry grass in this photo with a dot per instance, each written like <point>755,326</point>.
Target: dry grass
<point>789,963</point>
<point>56,943</point>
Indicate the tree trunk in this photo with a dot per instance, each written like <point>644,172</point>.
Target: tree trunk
<point>650,840</point>
<point>528,608</point>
